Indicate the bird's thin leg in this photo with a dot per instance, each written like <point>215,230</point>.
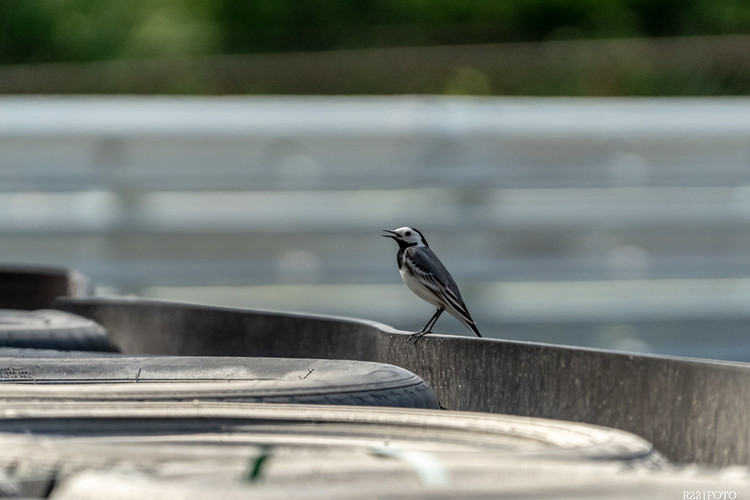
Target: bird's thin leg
<point>428,327</point>
<point>433,320</point>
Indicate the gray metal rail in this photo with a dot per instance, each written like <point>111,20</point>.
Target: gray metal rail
<point>609,223</point>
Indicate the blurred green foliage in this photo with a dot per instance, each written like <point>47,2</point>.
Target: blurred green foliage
<point>83,30</point>
<point>33,31</point>
<point>587,47</point>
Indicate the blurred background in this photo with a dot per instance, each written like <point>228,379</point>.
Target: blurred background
<point>581,167</point>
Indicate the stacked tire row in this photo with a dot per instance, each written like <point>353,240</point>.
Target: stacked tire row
<point>79,420</point>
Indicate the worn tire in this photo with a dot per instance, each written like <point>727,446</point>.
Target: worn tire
<point>384,453</point>
<point>526,480</point>
<point>32,287</point>
<point>50,329</point>
<point>257,380</point>
<point>28,352</point>
<point>303,425</point>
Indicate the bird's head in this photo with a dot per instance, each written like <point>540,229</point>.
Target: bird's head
<point>406,236</point>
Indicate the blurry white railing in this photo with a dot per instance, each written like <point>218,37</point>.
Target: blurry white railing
<point>616,223</point>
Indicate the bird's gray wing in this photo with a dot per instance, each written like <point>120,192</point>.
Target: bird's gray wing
<point>425,265</point>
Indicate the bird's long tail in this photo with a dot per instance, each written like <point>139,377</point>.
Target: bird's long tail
<point>473,328</point>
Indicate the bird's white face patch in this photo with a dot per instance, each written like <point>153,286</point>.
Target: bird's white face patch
<point>409,235</point>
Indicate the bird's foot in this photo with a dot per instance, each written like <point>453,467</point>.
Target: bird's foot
<point>418,335</point>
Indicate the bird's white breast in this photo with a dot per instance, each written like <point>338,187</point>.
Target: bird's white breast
<point>417,287</point>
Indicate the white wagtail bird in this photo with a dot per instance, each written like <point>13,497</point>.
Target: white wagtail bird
<point>428,278</point>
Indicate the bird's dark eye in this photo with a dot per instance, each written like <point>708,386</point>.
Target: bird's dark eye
<point>408,233</point>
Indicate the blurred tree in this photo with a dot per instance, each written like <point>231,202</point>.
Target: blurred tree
<point>273,35</point>
<point>83,30</point>
<point>25,29</point>
<point>77,30</point>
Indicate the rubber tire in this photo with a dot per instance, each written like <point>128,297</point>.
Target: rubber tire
<point>203,378</point>
<point>51,329</point>
<point>525,481</point>
<point>28,352</point>
<point>214,445</point>
<point>33,287</point>
<point>56,439</point>
<point>300,425</point>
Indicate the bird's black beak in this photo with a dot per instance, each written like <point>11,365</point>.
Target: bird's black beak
<point>393,234</point>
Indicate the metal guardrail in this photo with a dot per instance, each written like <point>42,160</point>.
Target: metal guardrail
<point>615,223</point>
